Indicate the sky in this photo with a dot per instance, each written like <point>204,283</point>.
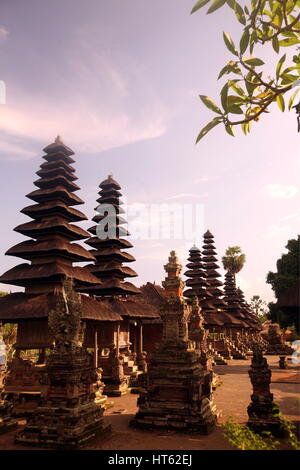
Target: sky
<point>119,81</point>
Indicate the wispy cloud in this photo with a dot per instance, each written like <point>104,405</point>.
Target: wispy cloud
<point>281,191</point>
<point>12,150</point>
<point>92,105</point>
<point>82,127</point>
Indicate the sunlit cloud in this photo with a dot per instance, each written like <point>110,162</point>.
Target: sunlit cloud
<point>13,151</point>
<point>281,191</point>
<point>90,106</point>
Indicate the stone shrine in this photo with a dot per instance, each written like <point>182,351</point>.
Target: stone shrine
<point>67,416</point>
<point>178,390</point>
<point>263,412</point>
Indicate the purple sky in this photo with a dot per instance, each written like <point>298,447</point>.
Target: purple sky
<point>119,81</point>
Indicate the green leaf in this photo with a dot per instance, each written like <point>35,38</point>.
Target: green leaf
<point>240,14</point>
<point>229,43</point>
<point>223,94</point>
<point>234,109</point>
<point>280,102</point>
<point>244,42</point>
<point>287,78</point>
<point>288,34</point>
<point>199,5</point>
<point>244,127</point>
<point>279,66</point>
<point>233,84</point>
<point>254,61</point>
<point>253,41</point>
<point>275,44</point>
<point>215,6</point>
<point>207,128</point>
<point>223,71</point>
<point>292,97</point>
<point>231,3</point>
<point>289,42</point>
<point>210,104</point>
<point>229,130</point>
<point>233,99</point>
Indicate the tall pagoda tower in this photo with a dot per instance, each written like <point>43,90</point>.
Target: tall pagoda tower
<point>210,266</point>
<point>196,282</point>
<point>234,307</point>
<point>251,319</point>
<point>109,254</point>
<point>230,293</point>
<point>50,251</point>
<point>125,338</point>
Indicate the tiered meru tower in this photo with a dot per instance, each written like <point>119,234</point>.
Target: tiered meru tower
<point>50,251</point>
<point>50,254</point>
<point>107,245</point>
<point>196,282</point>
<point>210,267</point>
<point>120,368</point>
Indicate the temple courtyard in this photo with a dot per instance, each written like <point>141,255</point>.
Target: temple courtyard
<point>232,397</point>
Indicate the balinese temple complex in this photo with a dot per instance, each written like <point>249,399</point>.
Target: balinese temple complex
<point>122,323</point>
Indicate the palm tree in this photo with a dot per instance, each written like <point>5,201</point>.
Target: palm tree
<point>234,260</point>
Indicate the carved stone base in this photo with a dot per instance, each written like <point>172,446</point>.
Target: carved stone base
<point>264,416</point>
<point>113,389</point>
<point>179,418</point>
<point>177,394</point>
<point>67,416</point>
<point>63,428</point>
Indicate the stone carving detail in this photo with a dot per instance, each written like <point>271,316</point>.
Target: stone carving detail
<point>65,321</point>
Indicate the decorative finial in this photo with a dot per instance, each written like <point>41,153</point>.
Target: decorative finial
<point>194,248</point>
<point>110,176</point>
<point>58,140</point>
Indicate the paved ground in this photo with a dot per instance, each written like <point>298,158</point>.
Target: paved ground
<point>232,398</point>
